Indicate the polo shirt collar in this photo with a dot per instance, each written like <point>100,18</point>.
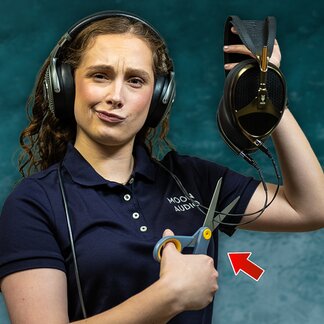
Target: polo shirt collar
<point>83,173</point>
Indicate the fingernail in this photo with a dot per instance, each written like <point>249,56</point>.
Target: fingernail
<point>226,48</point>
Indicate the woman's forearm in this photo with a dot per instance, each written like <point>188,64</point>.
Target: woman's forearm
<point>155,304</point>
<point>302,173</point>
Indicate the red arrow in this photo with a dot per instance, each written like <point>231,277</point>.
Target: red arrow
<point>240,262</point>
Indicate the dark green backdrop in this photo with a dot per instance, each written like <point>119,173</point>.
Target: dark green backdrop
<point>291,290</point>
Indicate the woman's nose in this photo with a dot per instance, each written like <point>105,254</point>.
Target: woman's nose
<point>115,95</point>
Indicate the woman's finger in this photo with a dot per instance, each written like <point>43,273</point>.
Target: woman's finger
<point>229,66</point>
<point>238,49</point>
<point>233,30</point>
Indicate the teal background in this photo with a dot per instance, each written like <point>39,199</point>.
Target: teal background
<point>291,290</point>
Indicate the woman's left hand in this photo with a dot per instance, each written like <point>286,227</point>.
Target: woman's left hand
<point>242,49</point>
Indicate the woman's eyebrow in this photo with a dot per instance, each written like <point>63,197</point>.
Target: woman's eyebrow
<point>100,67</point>
<point>139,73</point>
<point>129,71</point>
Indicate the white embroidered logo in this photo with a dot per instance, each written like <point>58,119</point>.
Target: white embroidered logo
<point>183,203</point>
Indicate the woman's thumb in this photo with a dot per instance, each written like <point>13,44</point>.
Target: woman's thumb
<point>167,232</point>
<point>171,244</point>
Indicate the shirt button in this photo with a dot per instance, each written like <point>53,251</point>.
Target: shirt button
<point>136,215</point>
<point>143,228</point>
<point>127,197</point>
<point>131,180</point>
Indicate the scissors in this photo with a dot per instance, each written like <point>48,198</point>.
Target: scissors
<point>200,240</point>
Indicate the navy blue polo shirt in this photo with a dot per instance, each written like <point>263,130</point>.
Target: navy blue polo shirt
<point>115,226</point>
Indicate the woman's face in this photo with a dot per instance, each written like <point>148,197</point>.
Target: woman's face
<point>114,85</point>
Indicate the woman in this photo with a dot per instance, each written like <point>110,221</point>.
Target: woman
<point>120,199</point>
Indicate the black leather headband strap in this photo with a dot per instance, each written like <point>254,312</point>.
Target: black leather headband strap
<point>254,34</point>
<point>83,23</point>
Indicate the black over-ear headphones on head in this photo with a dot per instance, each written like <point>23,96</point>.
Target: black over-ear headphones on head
<point>59,87</point>
<point>255,90</point>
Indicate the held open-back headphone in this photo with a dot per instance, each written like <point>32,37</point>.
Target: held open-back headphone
<point>59,87</point>
<point>254,96</point>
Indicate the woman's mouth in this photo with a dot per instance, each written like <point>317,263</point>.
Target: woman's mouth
<point>109,117</point>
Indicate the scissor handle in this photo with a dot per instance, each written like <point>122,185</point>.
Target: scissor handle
<point>157,252</point>
<point>199,241</point>
<point>203,236</point>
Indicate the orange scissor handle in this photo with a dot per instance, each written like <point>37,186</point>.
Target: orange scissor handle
<point>163,242</point>
<point>199,242</point>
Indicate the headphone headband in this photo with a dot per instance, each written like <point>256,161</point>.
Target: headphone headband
<point>253,33</point>
<point>83,23</point>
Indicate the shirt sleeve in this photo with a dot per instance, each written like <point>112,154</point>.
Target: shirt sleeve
<point>27,234</point>
<point>236,185</point>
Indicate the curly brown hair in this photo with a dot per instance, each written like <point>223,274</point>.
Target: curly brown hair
<point>44,140</point>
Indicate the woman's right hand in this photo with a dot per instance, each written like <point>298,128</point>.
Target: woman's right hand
<point>191,278</point>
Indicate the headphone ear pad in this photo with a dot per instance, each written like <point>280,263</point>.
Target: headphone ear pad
<point>230,132</point>
<point>158,108</point>
<point>64,99</point>
<point>227,124</point>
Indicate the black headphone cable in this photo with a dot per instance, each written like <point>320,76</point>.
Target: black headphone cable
<point>76,268</point>
<point>252,162</point>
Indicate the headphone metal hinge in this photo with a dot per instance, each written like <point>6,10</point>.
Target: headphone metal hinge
<point>262,91</point>
<point>66,37</point>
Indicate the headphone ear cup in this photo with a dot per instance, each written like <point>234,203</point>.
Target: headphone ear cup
<point>64,99</point>
<point>240,115</point>
<point>159,108</point>
<point>242,88</point>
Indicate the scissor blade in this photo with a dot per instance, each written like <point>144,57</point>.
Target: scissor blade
<point>212,206</point>
<point>220,217</point>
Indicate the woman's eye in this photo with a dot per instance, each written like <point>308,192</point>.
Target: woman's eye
<point>99,76</point>
<point>136,82</point>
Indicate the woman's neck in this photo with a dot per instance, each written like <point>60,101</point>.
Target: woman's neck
<point>114,163</point>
